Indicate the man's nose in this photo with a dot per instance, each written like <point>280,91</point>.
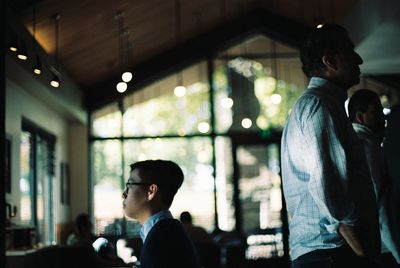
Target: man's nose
<point>359,59</point>
<point>124,195</point>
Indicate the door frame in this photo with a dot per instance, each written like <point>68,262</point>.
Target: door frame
<point>240,139</point>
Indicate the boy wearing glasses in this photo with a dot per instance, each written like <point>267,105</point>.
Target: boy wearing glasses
<point>149,193</point>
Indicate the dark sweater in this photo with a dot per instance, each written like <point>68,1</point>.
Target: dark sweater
<point>168,245</point>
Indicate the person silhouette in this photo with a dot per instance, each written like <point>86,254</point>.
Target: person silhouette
<point>149,193</point>
<point>327,187</point>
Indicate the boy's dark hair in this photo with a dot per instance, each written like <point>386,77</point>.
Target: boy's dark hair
<point>326,40</point>
<point>360,101</point>
<point>167,175</point>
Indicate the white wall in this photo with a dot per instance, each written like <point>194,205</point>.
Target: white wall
<point>20,104</point>
<point>78,159</point>
<point>25,99</point>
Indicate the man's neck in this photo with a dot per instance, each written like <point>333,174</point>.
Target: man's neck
<point>150,212</point>
<point>335,81</point>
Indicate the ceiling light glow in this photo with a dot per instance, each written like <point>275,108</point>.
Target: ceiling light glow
<point>246,123</point>
<point>122,87</point>
<point>180,91</point>
<point>127,77</point>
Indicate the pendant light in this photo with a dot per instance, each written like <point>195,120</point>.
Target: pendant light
<point>180,89</point>
<point>203,126</point>
<point>121,86</point>
<point>21,53</point>
<point>37,69</point>
<point>246,121</point>
<point>13,45</point>
<point>55,81</point>
<point>127,75</point>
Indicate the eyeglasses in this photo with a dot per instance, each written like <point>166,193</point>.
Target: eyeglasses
<point>129,184</point>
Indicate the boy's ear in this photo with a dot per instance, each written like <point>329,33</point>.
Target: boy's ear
<point>153,189</point>
<point>360,117</point>
<point>329,62</point>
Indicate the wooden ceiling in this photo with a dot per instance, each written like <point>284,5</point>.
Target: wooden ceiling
<point>89,36</point>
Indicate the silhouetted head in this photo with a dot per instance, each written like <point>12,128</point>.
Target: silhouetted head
<point>365,108</point>
<point>185,217</point>
<point>328,52</point>
<point>83,224</point>
<point>151,187</point>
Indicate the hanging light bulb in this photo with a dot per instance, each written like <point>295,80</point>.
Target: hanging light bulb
<point>246,122</point>
<point>180,91</point>
<point>203,127</point>
<point>127,77</point>
<point>122,87</point>
<point>276,98</point>
<point>227,103</point>
<point>55,82</point>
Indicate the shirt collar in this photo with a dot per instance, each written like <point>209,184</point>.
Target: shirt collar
<point>367,132</point>
<point>319,83</point>
<point>150,222</point>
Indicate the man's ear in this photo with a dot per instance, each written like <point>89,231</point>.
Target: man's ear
<point>329,62</point>
<point>360,117</point>
<point>152,192</point>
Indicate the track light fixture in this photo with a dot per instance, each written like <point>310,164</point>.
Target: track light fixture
<point>22,54</point>
<point>13,46</point>
<point>37,69</point>
<point>55,81</point>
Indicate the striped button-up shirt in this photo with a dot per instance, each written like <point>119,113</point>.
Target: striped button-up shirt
<point>325,178</point>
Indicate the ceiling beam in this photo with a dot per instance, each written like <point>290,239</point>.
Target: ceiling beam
<point>201,47</point>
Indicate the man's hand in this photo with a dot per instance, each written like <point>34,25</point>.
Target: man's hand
<point>351,238</point>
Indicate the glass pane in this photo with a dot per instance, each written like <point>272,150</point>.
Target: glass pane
<point>224,182</point>
<point>261,199</point>
<point>277,94</point>
<point>106,122</point>
<point>25,182</point>
<point>159,109</point>
<point>107,184</point>
<point>44,194</point>
<point>194,156</point>
<point>254,91</point>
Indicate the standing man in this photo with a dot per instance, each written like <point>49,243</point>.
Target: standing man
<point>327,187</point>
<point>149,193</point>
<point>366,114</point>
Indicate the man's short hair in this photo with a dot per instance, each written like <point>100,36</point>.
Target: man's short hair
<point>82,221</point>
<point>185,217</point>
<point>360,101</point>
<point>326,40</point>
<point>167,175</point>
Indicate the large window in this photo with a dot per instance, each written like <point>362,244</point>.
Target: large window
<point>36,182</point>
<point>202,128</point>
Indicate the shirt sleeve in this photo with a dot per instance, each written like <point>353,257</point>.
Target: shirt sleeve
<point>329,183</point>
